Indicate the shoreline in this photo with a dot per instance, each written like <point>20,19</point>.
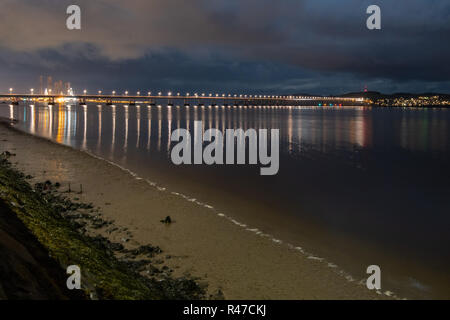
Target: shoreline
<point>227,264</point>
<point>43,232</point>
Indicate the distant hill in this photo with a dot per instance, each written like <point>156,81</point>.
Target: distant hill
<point>372,95</point>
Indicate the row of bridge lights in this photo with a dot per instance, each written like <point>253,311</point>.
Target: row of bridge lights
<point>11,90</point>
<point>31,91</point>
<point>170,94</point>
<point>178,94</point>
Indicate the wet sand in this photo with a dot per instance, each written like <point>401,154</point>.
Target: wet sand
<point>228,257</point>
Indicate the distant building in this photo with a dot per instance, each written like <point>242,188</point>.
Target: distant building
<point>49,83</point>
<point>66,87</point>
<point>58,87</point>
<point>41,84</point>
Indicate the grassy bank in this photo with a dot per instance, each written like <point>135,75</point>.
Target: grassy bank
<point>26,270</point>
<point>109,271</point>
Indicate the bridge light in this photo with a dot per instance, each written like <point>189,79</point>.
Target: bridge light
<point>84,91</point>
<point>170,93</point>
<point>10,90</point>
<point>99,92</point>
<point>32,90</point>
<point>159,93</point>
<point>126,92</point>
<point>114,92</point>
<point>138,93</point>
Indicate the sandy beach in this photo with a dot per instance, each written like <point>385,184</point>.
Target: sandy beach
<point>229,258</point>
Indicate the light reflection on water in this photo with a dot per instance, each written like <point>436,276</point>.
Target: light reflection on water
<point>320,129</point>
<point>367,174</point>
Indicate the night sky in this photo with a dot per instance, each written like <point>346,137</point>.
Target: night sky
<point>228,46</point>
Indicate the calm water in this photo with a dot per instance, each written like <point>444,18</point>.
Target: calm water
<point>356,185</point>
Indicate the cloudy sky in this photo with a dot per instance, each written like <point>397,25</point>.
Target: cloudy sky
<point>228,46</point>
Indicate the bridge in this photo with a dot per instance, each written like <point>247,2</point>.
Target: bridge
<point>186,99</point>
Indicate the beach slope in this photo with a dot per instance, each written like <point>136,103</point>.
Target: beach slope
<point>234,262</point>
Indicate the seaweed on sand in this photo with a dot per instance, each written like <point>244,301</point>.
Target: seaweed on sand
<point>103,275</point>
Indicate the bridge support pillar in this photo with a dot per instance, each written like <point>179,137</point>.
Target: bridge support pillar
<point>15,101</point>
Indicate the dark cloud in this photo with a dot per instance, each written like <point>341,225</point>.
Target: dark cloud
<point>258,45</point>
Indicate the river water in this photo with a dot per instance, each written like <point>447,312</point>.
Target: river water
<point>358,186</point>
